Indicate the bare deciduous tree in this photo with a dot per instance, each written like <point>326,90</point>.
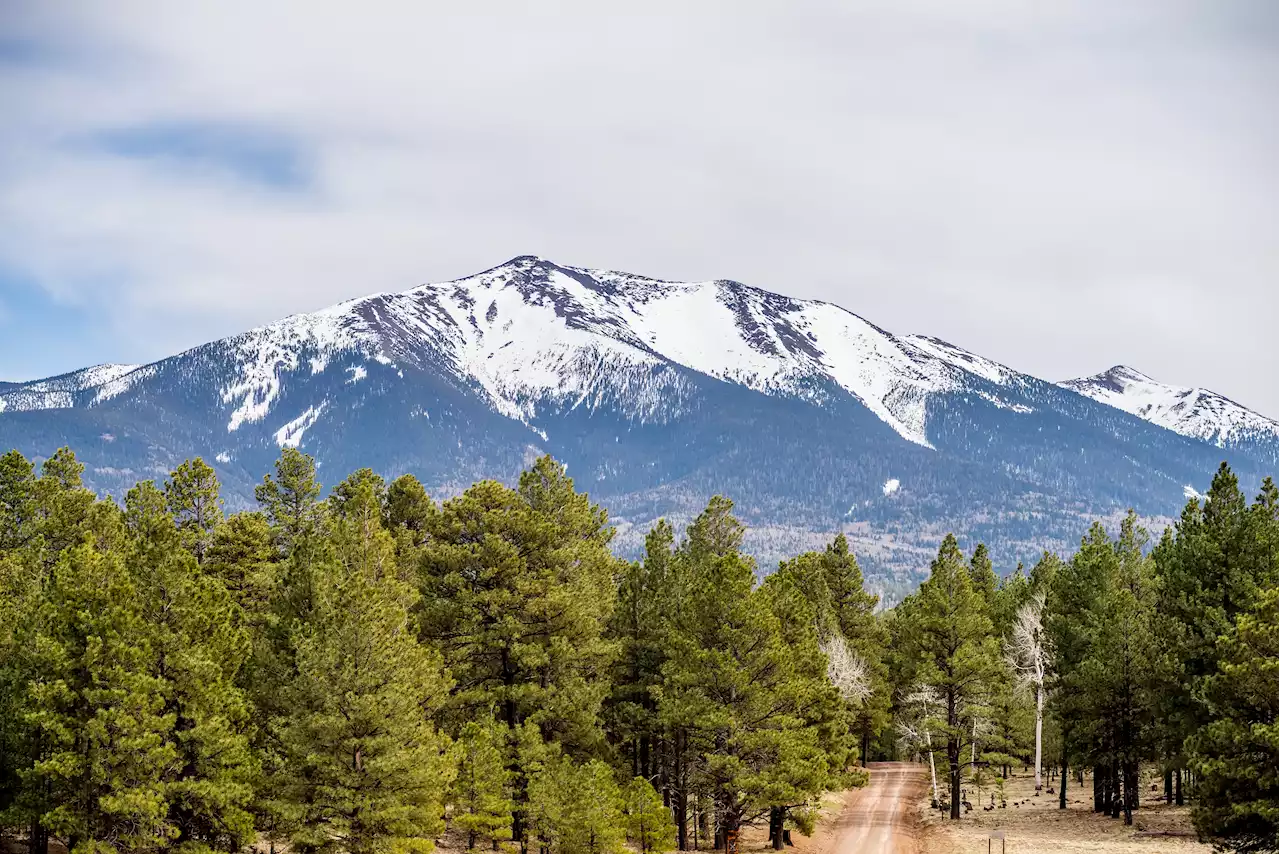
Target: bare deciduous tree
<point>1028,654</point>
<point>920,706</point>
<point>846,670</point>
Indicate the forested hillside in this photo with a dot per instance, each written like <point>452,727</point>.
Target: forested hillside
<point>370,670</point>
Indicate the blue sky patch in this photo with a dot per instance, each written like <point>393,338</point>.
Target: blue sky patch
<point>251,155</point>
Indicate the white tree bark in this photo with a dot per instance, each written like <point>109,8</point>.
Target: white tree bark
<point>1029,655</point>
<point>915,730</point>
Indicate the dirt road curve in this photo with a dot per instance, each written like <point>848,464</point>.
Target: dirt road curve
<point>879,818</point>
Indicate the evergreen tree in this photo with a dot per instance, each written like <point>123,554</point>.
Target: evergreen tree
<point>517,589</point>
<point>644,592</point>
<point>191,495</point>
<point>481,802</point>
<point>364,768</point>
<point>952,636</point>
<point>983,575</point>
<point>1074,594</point>
<point>1236,754</point>
<point>733,689</point>
<point>17,502</point>
<point>647,820</point>
<point>1114,674</point>
<point>243,558</point>
<point>576,809</point>
<point>199,642</point>
<point>97,710</point>
<point>291,503</point>
<point>1211,568</point>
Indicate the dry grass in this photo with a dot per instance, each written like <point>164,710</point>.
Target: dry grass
<point>1037,825</point>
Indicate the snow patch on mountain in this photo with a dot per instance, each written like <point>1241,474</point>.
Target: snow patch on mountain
<point>1195,412</point>
<point>290,435</point>
<point>890,486</point>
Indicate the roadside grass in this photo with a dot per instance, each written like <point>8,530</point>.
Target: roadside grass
<point>1036,824</point>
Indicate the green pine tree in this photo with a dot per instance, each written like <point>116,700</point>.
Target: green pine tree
<point>364,768</point>
<point>647,819</point>
<point>480,793</point>
<point>517,591</point>
<point>200,642</point>
<point>959,656</point>
<point>1236,754</point>
<point>192,496</point>
<point>96,708</point>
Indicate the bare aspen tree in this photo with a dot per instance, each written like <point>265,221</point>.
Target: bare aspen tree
<point>846,670</point>
<point>1028,654</point>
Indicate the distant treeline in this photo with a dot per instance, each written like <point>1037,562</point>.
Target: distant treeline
<point>364,671</point>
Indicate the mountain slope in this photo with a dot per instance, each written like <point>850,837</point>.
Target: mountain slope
<point>1195,412</point>
<point>656,394</point>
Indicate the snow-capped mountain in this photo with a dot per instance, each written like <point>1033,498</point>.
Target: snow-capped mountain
<point>657,395</point>
<point>1195,412</point>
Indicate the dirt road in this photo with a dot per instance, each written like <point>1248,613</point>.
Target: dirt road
<point>879,818</point>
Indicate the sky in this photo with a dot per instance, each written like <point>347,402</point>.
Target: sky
<point>1060,186</point>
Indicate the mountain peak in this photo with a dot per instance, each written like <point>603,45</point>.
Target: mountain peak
<point>1195,412</point>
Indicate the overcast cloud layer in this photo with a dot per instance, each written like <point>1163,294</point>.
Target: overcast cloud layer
<point>1059,186</point>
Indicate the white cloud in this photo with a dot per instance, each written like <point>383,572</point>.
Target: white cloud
<point>1058,186</point>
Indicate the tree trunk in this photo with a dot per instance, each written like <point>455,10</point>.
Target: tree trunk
<point>1099,780</point>
<point>933,768</point>
<point>1131,794</point>
<point>1039,731</point>
<point>1177,787</point>
<point>973,748</point>
<point>1062,790</point>
<point>681,799</point>
<point>953,757</point>
<point>38,841</point>
<point>1168,785</point>
<point>776,815</point>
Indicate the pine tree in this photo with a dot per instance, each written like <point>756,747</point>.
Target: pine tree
<point>1211,568</point>
<point>243,558</point>
<point>481,801</point>
<point>647,820</point>
<point>63,506</point>
<point>192,497</point>
<point>983,575</point>
<point>644,592</point>
<point>576,809</point>
<point>364,768</point>
<point>17,501</point>
<point>1073,597</point>
<point>959,655</point>
<point>1236,754</point>
<point>733,690</point>
<point>517,590</point>
<point>97,710</point>
<point>291,502</point>
<point>199,641</point>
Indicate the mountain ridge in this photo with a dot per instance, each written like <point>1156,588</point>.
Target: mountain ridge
<point>656,394</point>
